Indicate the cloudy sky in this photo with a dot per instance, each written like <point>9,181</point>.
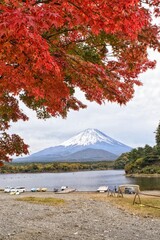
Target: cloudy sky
<point>133,124</point>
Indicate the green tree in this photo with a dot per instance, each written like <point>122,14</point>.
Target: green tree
<point>148,150</point>
<point>158,138</point>
<point>121,161</point>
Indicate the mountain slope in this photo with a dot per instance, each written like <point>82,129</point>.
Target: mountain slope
<point>89,144</point>
<point>91,155</point>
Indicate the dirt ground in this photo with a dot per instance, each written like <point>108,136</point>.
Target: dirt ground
<point>81,217</point>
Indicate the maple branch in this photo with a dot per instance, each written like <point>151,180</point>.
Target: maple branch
<point>79,8</point>
<point>76,41</point>
<point>58,33</point>
<point>45,2</point>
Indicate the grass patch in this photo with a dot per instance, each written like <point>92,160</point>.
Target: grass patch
<point>149,207</point>
<point>39,200</point>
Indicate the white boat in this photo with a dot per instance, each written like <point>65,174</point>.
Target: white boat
<point>8,189</point>
<point>66,189</point>
<point>63,188</point>
<point>21,189</point>
<point>14,190</point>
<point>102,189</point>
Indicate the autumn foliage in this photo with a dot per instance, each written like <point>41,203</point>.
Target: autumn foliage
<point>50,47</point>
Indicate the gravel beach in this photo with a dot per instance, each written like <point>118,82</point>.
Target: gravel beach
<point>80,217</point>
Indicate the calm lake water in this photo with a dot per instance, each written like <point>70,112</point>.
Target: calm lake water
<point>82,181</point>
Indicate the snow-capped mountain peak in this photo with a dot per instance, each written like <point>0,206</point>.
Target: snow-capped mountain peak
<point>88,137</point>
<point>89,145</point>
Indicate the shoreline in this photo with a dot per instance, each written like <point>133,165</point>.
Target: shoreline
<point>136,175</point>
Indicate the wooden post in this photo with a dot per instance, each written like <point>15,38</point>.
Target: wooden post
<point>134,200</point>
<point>119,194</point>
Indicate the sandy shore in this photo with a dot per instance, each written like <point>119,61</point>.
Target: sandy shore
<point>81,217</point>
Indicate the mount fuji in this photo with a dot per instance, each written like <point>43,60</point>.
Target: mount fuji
<point>89,145</point>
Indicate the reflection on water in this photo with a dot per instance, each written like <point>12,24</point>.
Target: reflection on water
<point>82,181</point>
<point>148,183</point>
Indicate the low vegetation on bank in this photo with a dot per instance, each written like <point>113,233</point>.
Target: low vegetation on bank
<point>149,207</point>
<point>55,167</point>
<point>139,161</point>
<point>41,200</point>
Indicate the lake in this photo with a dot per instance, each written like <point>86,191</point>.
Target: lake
<point>82,181</point>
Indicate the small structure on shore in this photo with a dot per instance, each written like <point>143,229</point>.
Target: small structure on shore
<point>128,188</point>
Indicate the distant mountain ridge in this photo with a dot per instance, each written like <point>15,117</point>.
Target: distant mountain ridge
<point>89,145</point>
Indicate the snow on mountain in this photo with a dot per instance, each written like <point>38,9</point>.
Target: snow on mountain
<point>88,137</point>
